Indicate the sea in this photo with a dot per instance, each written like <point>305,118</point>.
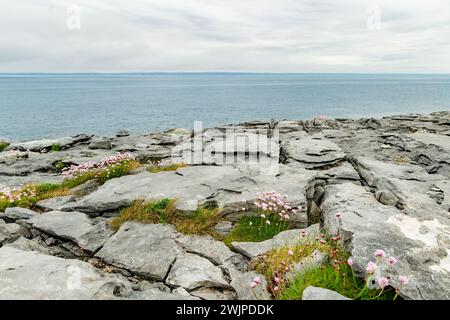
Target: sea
<point>37,106</point>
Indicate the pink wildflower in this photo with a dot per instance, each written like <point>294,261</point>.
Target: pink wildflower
<point>403,280</point>
<point>383,282</point>
<point>380,253</point>
<point>392,261</point>
<point>371,267</point>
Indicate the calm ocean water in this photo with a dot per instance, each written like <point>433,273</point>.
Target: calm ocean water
<point>41,106</point>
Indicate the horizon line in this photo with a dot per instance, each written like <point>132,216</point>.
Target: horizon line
<point>218,72</point>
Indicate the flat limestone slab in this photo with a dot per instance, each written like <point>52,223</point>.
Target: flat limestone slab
<point>227,186</point>
<point>36,276</point>
<point>145,249</point>
<point>74,226</point>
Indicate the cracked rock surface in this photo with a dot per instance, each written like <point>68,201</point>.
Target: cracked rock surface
<point>377,183</point>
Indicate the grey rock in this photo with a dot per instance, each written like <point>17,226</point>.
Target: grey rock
<point>28,245</point>
<point>241,284</point>
<point>315,293</point>
<point>213,294</point>
<point>145,249</point>
<point>283,239</point>
<point>156,294</point>
<point>100,143</point>
<point>225,186</point>
<point>86,188</point>
<point>46,144</point>
<point>74,226</point>
<point>313,152</point>
<point>36,276</point>
<point>421,244</point>
<point>223,228</point>
<point>315,260</point>
<point>55,203</point>
<point>17,213</point>
<point>191,271</point>
<point>9,231</point>
<point>122,133</point>
<point>205,246</point>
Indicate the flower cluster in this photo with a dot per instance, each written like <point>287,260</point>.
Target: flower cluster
<point>16,194</point>
<point>274,203</point>
<point>382,260</point>
<point>108,162</point>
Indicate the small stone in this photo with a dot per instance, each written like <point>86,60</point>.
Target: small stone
<point>122,133</point>
<point>314,293</point>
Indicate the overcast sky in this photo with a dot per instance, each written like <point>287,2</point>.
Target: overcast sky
<point>225,35</point>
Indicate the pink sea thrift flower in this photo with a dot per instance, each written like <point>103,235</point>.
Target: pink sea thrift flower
<point>253,284</point>
<point>350,262</point>
<point>371,267</point>
<point>403,280</point>
<point>380,253</point>
<point>383,282</point>
<point>392,260</point>
<point>290,252</point>
<point>257,280</point>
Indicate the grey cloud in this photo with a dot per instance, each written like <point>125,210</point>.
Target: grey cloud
<point>223,35</point>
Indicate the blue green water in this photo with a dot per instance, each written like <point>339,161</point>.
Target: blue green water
<point>40,105</point>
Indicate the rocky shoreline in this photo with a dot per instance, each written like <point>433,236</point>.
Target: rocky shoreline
<point>372,183</point>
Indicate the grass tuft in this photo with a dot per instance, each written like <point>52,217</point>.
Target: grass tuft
<point>3,145</point>
<point>56,147</point>
<point>340,281</point>
<point>256,229</point>
<point>163,211</point>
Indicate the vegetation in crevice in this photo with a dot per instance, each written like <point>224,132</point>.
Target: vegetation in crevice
<point>202,221</point>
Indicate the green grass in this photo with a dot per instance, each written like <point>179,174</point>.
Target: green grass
<point>154,168</point>
<point>340,281</point>
<point>335,274</point>
<point>59,165</point>
<point>56,147</point>
<point>164,211</point>
<point>3,145</point>
<point>35,193</point>
<point>102,176</point>
<point>116,171</point>
<point>256,229</point>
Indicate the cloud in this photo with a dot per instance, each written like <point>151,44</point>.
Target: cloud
<point>224,35</point>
